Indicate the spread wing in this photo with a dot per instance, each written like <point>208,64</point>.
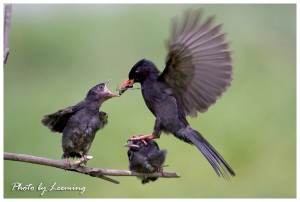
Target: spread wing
<point>199,65</point>
<point>57,121</point>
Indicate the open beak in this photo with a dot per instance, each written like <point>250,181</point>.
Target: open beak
<point>130,144</point>
<point>125,85</point>
<point>108,93</point>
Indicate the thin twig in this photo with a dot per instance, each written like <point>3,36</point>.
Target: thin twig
<point>76,167</point>
<point>7,21</point>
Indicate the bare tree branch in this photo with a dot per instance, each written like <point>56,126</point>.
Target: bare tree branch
<point>7,21</point>
<point>76,167</point>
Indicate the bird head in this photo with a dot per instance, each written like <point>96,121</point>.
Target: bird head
<point>141,71</point>
<point>100,92</point>
<point>138,144</point>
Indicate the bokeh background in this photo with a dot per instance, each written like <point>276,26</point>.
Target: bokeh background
<point>59,51</point>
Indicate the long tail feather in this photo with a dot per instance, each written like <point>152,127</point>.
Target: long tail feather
<point>218,163</point>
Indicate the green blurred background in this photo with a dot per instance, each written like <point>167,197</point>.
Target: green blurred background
<point>59,51</point>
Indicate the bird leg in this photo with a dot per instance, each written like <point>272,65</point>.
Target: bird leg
<point>143,137</point>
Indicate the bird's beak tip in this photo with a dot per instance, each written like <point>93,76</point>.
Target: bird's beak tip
<point>130,144</point>
<point>128,83</point>
<point>114,95</point>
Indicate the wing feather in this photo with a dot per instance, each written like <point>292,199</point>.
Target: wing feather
<point>199,65</point>
<point>57,121</point>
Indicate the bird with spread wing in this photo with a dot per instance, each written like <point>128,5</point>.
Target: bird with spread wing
<point>198,70</point>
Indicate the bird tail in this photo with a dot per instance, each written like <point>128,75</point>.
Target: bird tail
<point>220,166</point>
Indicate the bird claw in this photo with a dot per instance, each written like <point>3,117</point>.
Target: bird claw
<point>84,159</point>
<point>145,143</point>
<point>139,138</point>
<point>143,137</point>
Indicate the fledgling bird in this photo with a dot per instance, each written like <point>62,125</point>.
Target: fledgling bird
<point>198,70</point>
<point>80,123</point>
<point>145,158</point>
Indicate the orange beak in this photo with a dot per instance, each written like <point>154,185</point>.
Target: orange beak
<point>125,85</point>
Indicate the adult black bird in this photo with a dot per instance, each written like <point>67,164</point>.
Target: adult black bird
<point>145,158</point>
<point>198,70</point>
<point>80,123</point>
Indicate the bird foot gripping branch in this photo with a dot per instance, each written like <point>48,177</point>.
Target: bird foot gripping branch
<point>84,159</point>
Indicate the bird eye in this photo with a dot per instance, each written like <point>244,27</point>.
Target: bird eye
<point>92,93</point>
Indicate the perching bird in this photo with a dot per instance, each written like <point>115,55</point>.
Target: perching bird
<point>145,158</point>
<point>80,123</point>
<point>198,70</point>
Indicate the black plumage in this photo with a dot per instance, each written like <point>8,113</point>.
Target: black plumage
<point>198,70</point>
<point>145,158</point>
<point>80,123</point>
